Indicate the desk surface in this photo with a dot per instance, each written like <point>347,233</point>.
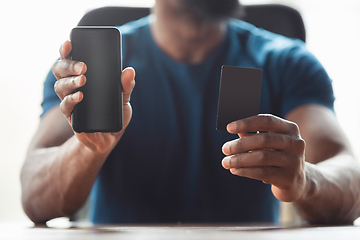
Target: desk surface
<point>183,232</point>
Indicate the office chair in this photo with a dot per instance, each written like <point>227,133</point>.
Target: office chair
<point>276,18</point>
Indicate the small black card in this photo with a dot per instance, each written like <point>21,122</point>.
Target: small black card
<point>239,95</point>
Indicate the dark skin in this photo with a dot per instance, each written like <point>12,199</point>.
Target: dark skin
<point>71,161</point>
<point>305,157</point>
<point>320,177</point>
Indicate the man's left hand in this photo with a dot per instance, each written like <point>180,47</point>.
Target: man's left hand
<point>274,155</point>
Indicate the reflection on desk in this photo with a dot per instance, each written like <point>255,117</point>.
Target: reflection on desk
<point>178,231</point>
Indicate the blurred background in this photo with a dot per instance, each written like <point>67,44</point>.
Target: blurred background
<point>32,32</point>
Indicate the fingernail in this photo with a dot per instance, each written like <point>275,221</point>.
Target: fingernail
<point>225,148</point>
<point>77,81</point>
<point>78,67</point>
<point>231,127</point>
<point>226,163</point>
<point>75,96</point>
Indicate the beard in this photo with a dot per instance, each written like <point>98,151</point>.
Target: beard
<point>214,10</point>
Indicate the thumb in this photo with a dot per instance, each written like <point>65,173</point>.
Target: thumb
<point>65,50</point>
<point>128,83</point>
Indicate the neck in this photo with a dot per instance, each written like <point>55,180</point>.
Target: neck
<point>181,35</point>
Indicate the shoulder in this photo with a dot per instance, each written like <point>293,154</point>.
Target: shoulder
<point>134,27</point>
<point>135,38</point>
<point>271,50</point>
<point>292,71</point>
<point>261,37</point>
<point>262,43</point>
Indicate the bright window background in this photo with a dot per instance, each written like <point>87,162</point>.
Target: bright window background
<point>32,32</point>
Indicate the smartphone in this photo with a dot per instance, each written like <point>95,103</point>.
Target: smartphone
<point>101,108</point>
<point>239,94</point>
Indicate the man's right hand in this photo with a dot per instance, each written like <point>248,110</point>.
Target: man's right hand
<point>70,76</point>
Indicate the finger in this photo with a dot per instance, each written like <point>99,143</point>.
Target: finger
<point>263,122</point>
<point>66,68</point>
<point>65,50</point>
<point>282,180</point>
<point>263,158</point>
<point>66,86</point>
<point>67,105</point>
<point>263,141</point>
<point>245,134</point>
<point>128,83</point>
<point>270,175</point>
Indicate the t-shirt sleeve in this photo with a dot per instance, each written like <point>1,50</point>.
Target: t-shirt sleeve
<point>50,98</point>
<point>304,80</point>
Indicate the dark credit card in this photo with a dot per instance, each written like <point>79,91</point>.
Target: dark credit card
<point>239,95</point>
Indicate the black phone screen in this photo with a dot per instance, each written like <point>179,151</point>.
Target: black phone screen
<point>101,108</point>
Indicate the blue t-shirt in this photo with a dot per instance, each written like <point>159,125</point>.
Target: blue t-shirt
<point>167,166</point>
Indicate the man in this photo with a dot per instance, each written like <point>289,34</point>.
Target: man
<point>164,166</point>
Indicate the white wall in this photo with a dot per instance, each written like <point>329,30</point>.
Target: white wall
<point>32,32</point>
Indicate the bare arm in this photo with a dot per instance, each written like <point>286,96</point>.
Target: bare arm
<point>56,180</point>
<point>61,166</point>
<point>321,177</point>
<point>332,172</point>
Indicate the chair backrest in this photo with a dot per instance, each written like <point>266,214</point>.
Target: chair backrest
<point>276,18</point>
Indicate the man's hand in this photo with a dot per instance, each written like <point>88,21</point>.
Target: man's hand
<point>275,156</point>
<point>70,76</point>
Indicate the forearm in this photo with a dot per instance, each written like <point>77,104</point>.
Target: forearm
<point>332,191</point>
<point>56,181</point>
